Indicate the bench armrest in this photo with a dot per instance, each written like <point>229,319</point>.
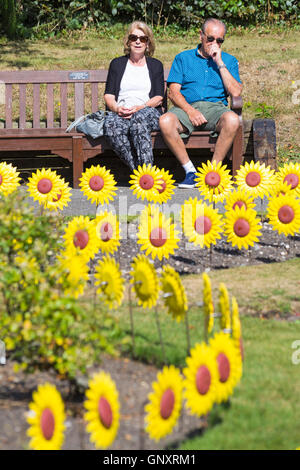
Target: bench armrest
<point>236,104</point>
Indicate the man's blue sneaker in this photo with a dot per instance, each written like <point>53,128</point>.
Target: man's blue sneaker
<point>189,181</point>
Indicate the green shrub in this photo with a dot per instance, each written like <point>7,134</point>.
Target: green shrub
<point>41,326</point>
<point>50,17</point>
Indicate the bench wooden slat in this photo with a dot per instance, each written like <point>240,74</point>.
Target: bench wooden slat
<point>22,106</point>
<point>36,105</point>
<point>63,105</point>
<point>94,87</point>
<point>79,99</point>
<point>53,76</point>
<point>8,106</point>
<point>50,105</point>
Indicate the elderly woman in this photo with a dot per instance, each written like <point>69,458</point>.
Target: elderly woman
<point>134,93</point>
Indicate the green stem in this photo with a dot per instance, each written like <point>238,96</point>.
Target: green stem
<point>160,335</point>
<point>188,338</point>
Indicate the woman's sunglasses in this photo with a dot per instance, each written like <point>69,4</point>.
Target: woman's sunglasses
<point>134,38</point>
<point>212,39</point>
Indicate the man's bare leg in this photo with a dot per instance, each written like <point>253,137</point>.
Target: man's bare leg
<point>227,127</point>
<point>171,127</point>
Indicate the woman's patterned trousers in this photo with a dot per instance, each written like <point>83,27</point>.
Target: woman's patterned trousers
<point>131,138</point>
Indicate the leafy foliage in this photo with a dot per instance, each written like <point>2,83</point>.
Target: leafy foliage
<point>42,326</point>
<point>51,16</point>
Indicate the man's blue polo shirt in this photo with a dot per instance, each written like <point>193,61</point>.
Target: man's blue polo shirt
<point>200,78</point>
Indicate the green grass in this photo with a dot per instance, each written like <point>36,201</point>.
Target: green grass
<point>264,410</point>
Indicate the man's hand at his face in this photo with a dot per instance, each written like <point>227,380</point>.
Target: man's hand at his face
<point>215,53</point>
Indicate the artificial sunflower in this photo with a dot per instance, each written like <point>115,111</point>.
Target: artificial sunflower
<point>156,234</point>
<point>110,282</point>
<point>46,418</point>
<point>81,238</point>
<point>44,185</point>
<point>239,198</point>
<point>242,227</point>
<point>290,174</point>
<point>9,178</point>
<point>214,181</point>
<point>236,327</point>
<point>201,224</point>
<point>281,188</point>
<point>103,410</point>
<point>224,307</point>
<point>146,182</point>
<point>201,380</point>
<point>174,294</point>
<point>77,273</point>
<point>255,178</point>
<point>229,365</point>
<point>61,199</point>
<point>108,232</point>
<point>167,188</point>
<point>284,214</point>
<point>208,305</point>
<point>98,184</point>
<point>165,403</point>
<point>145,281</point>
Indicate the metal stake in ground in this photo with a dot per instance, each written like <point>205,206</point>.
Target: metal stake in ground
<point>131,320</point>
<point>160,335</point>
<point>188,338</point>
<point>142,430</point>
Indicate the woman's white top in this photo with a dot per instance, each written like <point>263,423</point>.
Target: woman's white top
<point>135,86</point>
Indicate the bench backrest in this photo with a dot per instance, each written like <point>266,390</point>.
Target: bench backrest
<point>20,95</point>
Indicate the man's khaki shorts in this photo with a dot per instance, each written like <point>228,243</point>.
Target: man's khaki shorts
<point>211,111</point>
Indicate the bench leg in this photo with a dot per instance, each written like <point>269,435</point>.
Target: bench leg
<point>77,160</point>
<point>237,150</point>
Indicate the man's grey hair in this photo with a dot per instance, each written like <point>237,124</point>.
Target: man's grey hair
<point>213,20</point>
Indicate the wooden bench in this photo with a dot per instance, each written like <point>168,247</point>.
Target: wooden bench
<point>36,107</point>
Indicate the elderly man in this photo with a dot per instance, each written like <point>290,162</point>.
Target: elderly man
<point>200,81</point>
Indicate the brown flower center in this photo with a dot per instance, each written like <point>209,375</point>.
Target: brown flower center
<point>167,404</point>
<point>106,232</point>
<point>105,413</point>
<point>57,198</point>
<point>1,179</point>
<point>241,227</point>
<point>158,237</point>
<point>163,186</point>
<point>81,239</point>
<point>203,380</point>
<point>146,182</point>
<point>253,179</point>
<point>47,423</point>
<point>239,204</point>
<point>292,179</point>
<point>223,367</point>
<point>96,183</point>
<point>212,178</point>
<point>44,186</point>
<point>202,225</point>
<point>286,214</point>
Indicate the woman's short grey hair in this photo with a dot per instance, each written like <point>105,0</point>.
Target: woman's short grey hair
<point>213,20</point>
<point>147,32</point>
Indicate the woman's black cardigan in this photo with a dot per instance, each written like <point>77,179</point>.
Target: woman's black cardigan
<point>116,71</point>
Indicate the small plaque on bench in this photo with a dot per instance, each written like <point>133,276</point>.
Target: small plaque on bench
<point>79,75</point>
